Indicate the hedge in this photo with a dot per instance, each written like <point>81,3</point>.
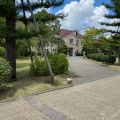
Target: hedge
<point>102,58</point>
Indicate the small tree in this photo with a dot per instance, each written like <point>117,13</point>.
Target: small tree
<point>64,49</point>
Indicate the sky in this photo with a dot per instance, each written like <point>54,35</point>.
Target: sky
<point>82,13</point>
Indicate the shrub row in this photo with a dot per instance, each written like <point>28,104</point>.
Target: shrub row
<point>103,58</point>
<point>59,65</point>
<point>79,54</point>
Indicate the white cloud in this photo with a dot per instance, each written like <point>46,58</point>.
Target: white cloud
<point>81,14</point>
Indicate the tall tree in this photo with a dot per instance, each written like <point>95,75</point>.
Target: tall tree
<point>114,6</point>
<point>10,37</point>
<point>93,39</point>
<point>10,10</point>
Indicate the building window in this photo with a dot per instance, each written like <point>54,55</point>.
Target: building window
<point>53,49</point>
<point>76,33</point>
<point>77,42</point>
<point>71,40</point>
<point>47,50</point>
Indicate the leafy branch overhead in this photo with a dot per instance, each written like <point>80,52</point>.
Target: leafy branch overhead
<point>12,12</point>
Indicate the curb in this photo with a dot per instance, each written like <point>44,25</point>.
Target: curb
<point>25,96</point>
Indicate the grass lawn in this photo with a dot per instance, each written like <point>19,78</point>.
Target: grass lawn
<point>27,85</point>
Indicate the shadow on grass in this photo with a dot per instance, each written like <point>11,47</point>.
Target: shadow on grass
<point>27,85</point>
<point>22,65</point>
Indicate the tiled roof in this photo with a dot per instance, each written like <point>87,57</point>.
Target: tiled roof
<point>64,33</point>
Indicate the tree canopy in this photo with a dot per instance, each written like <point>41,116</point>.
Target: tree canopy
<point>12,11</point>
<point>114,7</point>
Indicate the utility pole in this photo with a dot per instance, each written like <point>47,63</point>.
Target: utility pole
<point>41,43</point>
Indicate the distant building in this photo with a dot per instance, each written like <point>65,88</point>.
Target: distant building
<point>72,39</point>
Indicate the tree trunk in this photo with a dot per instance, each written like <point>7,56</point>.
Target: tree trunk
<point>41,44</point>
<point>30,50</point>
<point>10,41</point>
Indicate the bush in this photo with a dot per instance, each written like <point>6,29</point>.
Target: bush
<point>89,56</point>
<point>93,56</point>
<point>112,59</point>
<point>2,52</point>
<point>105,58</point>
<point>62,54</point>
<point>38,67</point>
<point>33,53</point>
<point>38,53</point>
<point>63,49</point>
<point>98,57</point>
<point>5,71</point>
<point>59,63</point>
<point>78,54</point>
<point>23,51</point>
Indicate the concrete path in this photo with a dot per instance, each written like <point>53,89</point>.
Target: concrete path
<point>98,100</point>
<point>84,71</point>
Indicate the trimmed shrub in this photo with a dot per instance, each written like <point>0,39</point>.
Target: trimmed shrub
<point>98,57</point>
<point>64,49</point>
<point>105,58</point>
<point>38,53</point>
<point>59,63</point>
<point>38,67</point>
<point>89,56</point>
<point>112,59</point>
<point>93,56</point>
<point>33,53</point>
<point>78,54</point>
<point>2,52</point>
<point>5,71</point>
<point>62,54</point>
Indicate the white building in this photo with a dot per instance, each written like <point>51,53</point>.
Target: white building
<point>72,39</point>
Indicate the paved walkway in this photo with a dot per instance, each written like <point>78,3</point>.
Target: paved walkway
<point>84,71</point>
<point>98,100</point>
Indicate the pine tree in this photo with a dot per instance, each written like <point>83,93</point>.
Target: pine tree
<point>114,6</point>
<point>10,10</point>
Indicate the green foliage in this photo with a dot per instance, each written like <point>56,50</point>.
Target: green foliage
<point>38,53</point>
<point>64,49</point>
<point>38,67</point>
<point>62,54</point>
<point>93,56</point>
<point>112,59</point>
<point>114,6</point>
<point>79,54</point>
<point>93,40</point>
<point>5,71</point>
<point>89,56</point>
<point>98,57</point>
<point>59,63</point>
<point>22,48</point>
<point>33,53</point>
<point>2,52</point>
<point>105,58</point>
